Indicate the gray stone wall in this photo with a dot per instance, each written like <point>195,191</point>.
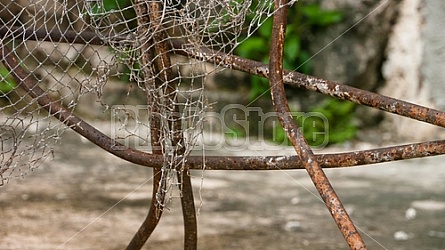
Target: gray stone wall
<point>402,71</point>
<point>352,51</point>
<point>433,68</point>
<point>395,48</point>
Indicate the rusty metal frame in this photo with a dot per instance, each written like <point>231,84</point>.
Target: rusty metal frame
<point>313,168</point>
<point>305,159</point>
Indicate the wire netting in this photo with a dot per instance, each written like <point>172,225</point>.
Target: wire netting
<point>74,49</point>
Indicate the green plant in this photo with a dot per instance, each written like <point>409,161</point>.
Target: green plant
<point>303,20</point>
<point>330,122</point>
<point>117,10</point>
<point>7,83</point>
<point>340,115</point>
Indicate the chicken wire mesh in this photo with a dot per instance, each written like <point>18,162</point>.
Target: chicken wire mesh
<point>65,71</point>
<point>73,49</point>
<point>61,53</point>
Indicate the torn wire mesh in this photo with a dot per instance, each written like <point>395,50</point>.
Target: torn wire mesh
<point>72,67</point>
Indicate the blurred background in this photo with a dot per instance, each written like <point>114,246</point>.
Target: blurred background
<point>91,200</point>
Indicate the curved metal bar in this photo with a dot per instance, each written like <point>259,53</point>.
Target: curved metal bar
<point>333,89</point>
<point>408,151</point>
<point>355,158</point>
<point>305,157</point>
<point>319,178</point>
<point>155,211</point>
<point>151,220</point>
<point>68,118</point>
<point>292,78</point>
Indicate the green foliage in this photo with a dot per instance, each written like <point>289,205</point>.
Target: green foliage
<point>303,20</point>
<point>321,18</point>
<point>330,122</point>
<point>340,115</point>
<point>336,126</point>
<point>127,12</point>
<point>7,83</point>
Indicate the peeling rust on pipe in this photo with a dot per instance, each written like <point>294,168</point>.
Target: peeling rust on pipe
<point>320,180</point>
<point>337,160</point>
<point>68,118</point>
<point>252,67</point>
<point>304,158</point>
<point>154,214</point>
<point>84,129</point>
<point>311,83</point>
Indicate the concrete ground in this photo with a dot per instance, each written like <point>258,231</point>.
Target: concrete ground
<point>88,199</point>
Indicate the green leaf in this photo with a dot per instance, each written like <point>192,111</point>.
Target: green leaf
<point>265,29</point>
<point>318,17</point>
<point>328,18</point>
<point>312,11</point>
<point>6,86</point>
<point>340,115</point>
<point>110,5</point>
<point>304,63</point>
<point>7,83</point>
<point>258,87</point>
<point>292,48</point>
<point>252,48</point>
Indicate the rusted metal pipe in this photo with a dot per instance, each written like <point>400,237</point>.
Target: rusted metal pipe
<point>408,151</point>
<point>151,220</point>
<point>319,178</point>
<point>349,159</point>
<point>333,89</point>
<point>30,85</point>
<point>336,160</point>
<point>156,62</point>
<point>245,163</point>
<point>147,54</point>
<point>252,67</point>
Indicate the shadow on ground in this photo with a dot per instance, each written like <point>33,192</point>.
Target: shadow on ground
<point>87,199</point>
